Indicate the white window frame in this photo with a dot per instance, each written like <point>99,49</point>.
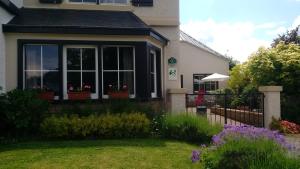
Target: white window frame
<point>118,71</point>
<point>154,94</point>
<point>41,70</point>
<point>65,71</point>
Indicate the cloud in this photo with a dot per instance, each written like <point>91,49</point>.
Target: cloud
<point>234,39</point>
<point>237,39</point>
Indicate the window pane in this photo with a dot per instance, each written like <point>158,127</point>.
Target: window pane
<point>153,83</point>
<point>32,57</point>
<point>73,81</point>
<point>110,58</point>
<point>127,79</point>
<point>107,1</point>
<point>90,1</point>
<point>75,0</point>
<point>73,59</point>
<point>51,81</point>
<point>152,62</point>
<point>121,1</point>
<point>50,57</point>
<point>89,79</point>
<point>88,59</point>
<point>33,80</point>
<point>110,78</point>
<point>126,58</point>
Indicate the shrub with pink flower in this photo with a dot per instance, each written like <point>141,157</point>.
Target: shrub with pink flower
<point>289,127</point>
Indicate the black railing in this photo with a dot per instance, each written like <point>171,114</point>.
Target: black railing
<point>228,108</point>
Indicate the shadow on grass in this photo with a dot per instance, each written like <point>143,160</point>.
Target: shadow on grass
<point>84,144</point>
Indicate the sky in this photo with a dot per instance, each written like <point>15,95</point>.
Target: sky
<point>238,28</point>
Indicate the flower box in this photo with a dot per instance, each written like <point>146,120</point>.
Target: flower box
<point>119,95</point>
<point>46,95</point>
<point>84,95</point>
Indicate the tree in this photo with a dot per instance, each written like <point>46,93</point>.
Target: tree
<point>292,36</point>
<point>232,62</point>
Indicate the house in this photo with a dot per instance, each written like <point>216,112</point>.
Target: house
<point>102,45</point>
<point>199,61</point>
<point>7,11</point>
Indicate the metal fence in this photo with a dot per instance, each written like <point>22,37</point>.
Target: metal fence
<point>228,108</point>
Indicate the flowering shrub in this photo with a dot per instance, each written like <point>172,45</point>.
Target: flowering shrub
<point>289,127</point>
<point>250,133</point>
<point>246,147</point>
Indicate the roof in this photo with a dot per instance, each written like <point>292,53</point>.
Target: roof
<point>80,22</point>
<point>9,6</point>
<point>189,39</point>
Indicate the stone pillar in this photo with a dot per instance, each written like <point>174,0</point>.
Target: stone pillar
<point>272,103</point>
<point>177,100</point>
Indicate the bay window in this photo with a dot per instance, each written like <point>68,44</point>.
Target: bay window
<point>118,69</point>
<point>153,74</point>
<point>41,68</point>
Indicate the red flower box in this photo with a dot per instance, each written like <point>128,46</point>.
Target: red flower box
<point>119,95</point>
<point>84,95</point>
<point>49,96</point>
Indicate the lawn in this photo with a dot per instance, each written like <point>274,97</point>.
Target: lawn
<point>105,154</point>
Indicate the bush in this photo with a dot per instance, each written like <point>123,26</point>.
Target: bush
<point>189,128</point>
<point>108,126</point>
<point>22,112</point>
<point>249,154</point>
<point>246,147</point>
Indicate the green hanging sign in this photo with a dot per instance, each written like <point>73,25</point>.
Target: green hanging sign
<point>172,61</point>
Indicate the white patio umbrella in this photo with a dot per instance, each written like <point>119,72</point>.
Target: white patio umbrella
<point>215,77</point>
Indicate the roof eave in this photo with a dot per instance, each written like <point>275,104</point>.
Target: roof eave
<point>10,28</point>
<point>10,7</point>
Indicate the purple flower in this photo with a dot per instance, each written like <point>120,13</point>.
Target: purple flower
<point>250,133</point>
<point>195,156</point>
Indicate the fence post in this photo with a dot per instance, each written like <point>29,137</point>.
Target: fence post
<point>272,103</point>
<point>225,107</point>
<point>177,100</point>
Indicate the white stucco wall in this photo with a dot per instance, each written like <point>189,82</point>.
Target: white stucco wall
<point>198,61</point>
<point>4,18</point>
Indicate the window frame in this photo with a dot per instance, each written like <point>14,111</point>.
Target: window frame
<point>41,70</point>
<point>154,94</point>
<point>65,69</point>
<point>132,96</point>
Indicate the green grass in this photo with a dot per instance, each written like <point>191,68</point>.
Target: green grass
<point>105,154</point>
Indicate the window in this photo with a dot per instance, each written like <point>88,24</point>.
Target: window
<point>205,86</point>
<point>153,73</point>
<point>81,69</point>
<point>118,69</point>
<point>114,1</point>
<point>41,68</point>
<point>100,1</point>
<point>84,1</point>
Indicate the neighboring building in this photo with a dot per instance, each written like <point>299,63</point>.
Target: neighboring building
<point>103,44</point>
<point>7,11</point>
<point>199,61</point>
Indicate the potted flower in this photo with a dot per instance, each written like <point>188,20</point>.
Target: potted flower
<point>115,93</point>
<point>46,94</point>
<point>83,93</point>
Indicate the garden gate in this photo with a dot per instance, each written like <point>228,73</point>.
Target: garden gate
<point>228,108</point>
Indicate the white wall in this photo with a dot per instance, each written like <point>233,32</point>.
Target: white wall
<point>4,18</point>
<point>195,60</point>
